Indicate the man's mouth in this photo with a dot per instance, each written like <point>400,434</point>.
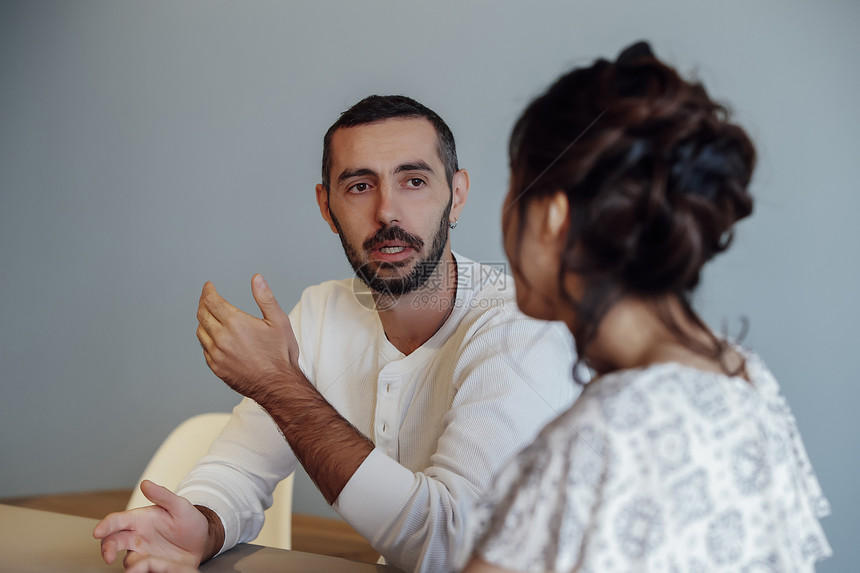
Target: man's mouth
<point>392,251</point>
<point>393,246</point>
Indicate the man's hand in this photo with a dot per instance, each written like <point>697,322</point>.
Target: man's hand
<point>171,529</point>
<point>250,354</point>
<point>259,359</point>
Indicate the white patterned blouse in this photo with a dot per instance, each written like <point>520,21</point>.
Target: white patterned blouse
<point>665,468</point>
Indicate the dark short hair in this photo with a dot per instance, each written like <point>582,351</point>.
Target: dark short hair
<point>378,108</point>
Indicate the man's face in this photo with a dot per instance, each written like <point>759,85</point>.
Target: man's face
<point>389,202</point>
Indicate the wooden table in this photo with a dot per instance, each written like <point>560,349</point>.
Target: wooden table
<point>41,541</point>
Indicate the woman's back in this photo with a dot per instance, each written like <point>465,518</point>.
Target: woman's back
<point>664,468</point>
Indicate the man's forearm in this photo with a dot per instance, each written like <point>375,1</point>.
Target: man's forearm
<point>327,445</point>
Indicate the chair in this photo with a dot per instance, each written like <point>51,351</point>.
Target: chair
<point>188,443</point>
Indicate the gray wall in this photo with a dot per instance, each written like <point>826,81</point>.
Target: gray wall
<point>146,147</point>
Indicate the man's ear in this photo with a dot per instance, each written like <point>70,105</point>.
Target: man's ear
<point>459,193</point>
<point>322,201</point>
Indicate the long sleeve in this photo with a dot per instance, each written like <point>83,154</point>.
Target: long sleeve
<point>506,388</point>
<point>238,475</point>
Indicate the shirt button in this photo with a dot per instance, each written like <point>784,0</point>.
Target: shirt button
<point>388,388</point>
<point>384,427</point>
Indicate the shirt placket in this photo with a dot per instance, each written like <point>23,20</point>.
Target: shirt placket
<point>386,421</point>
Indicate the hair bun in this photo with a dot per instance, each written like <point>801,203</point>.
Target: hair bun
<point>655,173</point>
<point>659,179</point>
<point>640,49</point>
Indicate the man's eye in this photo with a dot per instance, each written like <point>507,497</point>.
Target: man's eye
<point>416,182</point>
<point>359,188</point>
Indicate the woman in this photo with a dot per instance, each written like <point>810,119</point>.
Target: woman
<point>681,455</point>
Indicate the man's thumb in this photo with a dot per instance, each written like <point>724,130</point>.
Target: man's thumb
<point>161,496</point>
<point>265,299</point>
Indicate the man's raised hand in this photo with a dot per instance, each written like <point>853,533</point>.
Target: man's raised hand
<point>252,355</point>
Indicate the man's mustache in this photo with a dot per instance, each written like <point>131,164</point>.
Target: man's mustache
<point>394,233</point>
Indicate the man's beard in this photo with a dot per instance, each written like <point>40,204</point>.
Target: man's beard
<point>369,272</point>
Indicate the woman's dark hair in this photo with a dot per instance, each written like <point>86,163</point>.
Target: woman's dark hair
<point>378,108</point>
<point>655,174</point>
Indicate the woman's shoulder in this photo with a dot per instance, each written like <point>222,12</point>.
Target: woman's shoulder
<point>629,399</point>
<point>624,403</point>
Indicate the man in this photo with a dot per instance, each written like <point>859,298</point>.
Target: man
<point>400,401</point>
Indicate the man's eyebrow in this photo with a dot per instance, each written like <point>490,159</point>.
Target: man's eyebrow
<point>415,166</point>
<point>357,172</point>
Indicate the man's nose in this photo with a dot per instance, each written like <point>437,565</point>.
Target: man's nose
<point>387,210</point>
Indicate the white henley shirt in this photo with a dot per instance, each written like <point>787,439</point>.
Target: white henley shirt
<point>443,419</point>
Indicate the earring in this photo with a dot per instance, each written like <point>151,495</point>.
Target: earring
<point>453,225</point>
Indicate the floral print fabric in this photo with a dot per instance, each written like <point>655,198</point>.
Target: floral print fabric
<point>665,468</point>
